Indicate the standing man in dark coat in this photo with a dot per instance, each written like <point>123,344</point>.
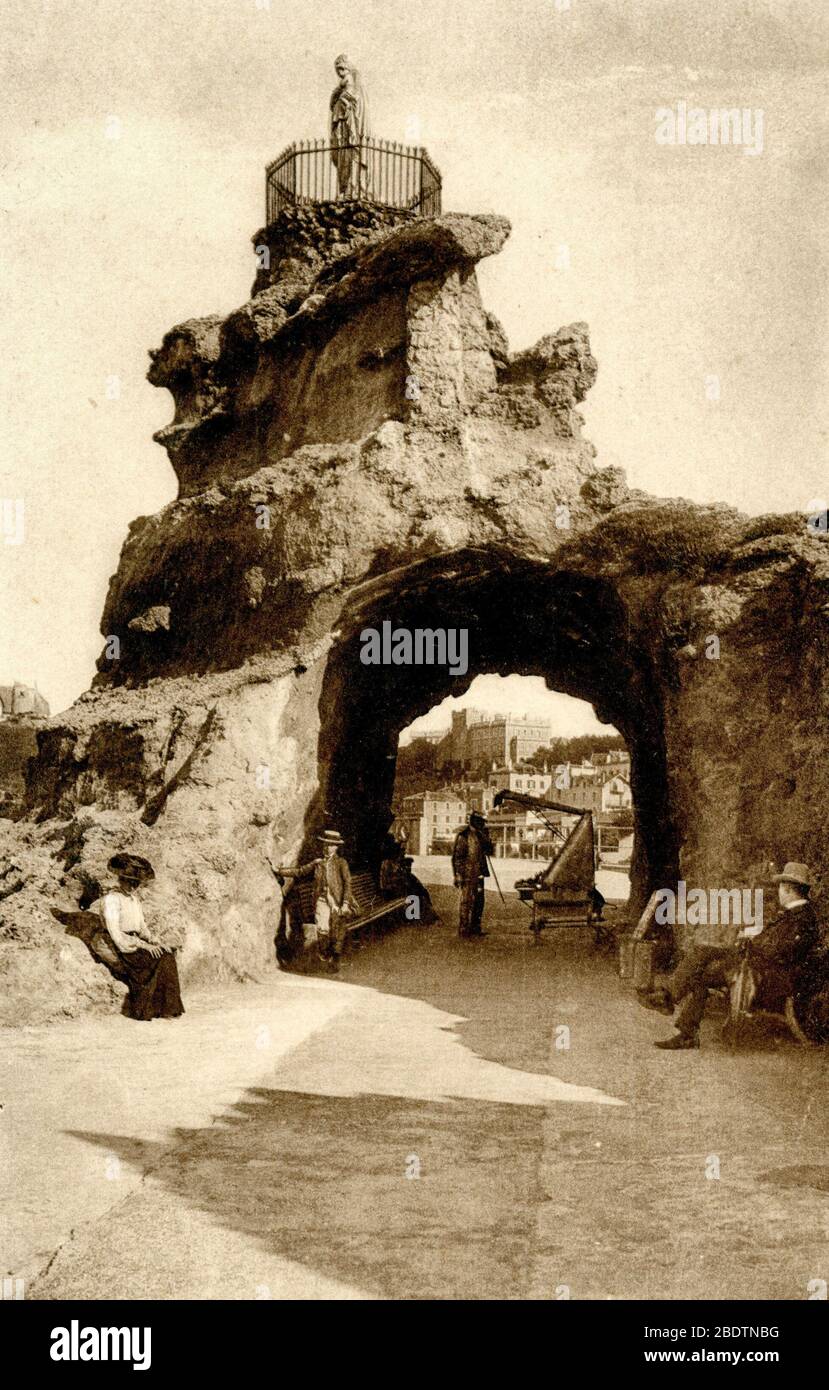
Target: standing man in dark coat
<point>469,866</point>
<point>781,957</point>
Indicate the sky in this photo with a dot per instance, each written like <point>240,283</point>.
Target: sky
<point>521,695</point>
<point>135,138</point>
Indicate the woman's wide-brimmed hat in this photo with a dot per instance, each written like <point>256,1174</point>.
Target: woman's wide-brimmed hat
<point>132,866</point>
<point>331,837</point>
<point>795,873</point>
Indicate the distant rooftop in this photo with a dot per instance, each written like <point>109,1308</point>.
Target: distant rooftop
<point>20,699</point>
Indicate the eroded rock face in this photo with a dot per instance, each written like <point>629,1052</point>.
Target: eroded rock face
<point>357,444</point>
<point>330,347</point>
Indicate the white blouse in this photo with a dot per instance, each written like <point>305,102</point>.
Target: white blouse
<point>124,920</point>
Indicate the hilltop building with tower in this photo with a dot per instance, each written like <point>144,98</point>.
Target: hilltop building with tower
<point>22,709</point>
<point>476,739</point>
<point>22,701</point>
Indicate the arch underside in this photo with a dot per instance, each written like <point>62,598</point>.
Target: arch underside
<point>522,617</point>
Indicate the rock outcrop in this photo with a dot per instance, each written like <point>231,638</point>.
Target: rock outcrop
<point>357,444</point>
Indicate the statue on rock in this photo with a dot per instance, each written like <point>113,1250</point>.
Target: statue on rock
<point>349,131</point>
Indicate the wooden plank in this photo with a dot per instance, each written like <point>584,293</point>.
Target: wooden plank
<point>372,905</point>
<point>647,921</point>
<point>390,905</point>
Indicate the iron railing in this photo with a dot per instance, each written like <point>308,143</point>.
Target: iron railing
<point>392,176</point>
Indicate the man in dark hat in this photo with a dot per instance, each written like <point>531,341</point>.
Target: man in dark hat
<point>778,955</point>
<point>333,896</point>
<point>470,868</point>
<point>782,955</point>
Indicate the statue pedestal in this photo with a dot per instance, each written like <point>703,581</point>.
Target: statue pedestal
<point>303,239</point>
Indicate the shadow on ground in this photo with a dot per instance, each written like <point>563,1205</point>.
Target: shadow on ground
<point>509,990</point>
<point>322,1181</point>
<point>707,1181</point>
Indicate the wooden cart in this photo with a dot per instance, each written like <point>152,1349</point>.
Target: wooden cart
<point>563,894</point>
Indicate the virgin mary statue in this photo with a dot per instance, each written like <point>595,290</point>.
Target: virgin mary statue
<point>349,131</point>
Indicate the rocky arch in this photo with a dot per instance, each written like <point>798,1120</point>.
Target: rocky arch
<point>522,616</point>
<point>356,443</point>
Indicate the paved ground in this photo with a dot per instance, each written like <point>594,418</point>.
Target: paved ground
<point>266,1145</point>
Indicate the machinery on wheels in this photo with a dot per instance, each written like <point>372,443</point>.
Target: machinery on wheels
<point>563,894</point>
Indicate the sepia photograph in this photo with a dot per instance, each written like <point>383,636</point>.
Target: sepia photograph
<point>414,670</point>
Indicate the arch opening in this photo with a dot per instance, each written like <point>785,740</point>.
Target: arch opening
<point>513,737</point>
<point>521,616</point>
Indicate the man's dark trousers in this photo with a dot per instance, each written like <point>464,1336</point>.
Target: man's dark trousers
<point>471,908</point>
<point>700,969</point>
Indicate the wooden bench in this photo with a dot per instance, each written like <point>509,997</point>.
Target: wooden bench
<point>740,1008</point>
<point>299,909</point>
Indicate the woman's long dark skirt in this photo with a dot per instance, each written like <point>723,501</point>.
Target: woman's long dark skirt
<point>153,986</point>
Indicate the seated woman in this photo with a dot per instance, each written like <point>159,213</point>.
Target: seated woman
<point>152,973</point>
<point>148,969</point>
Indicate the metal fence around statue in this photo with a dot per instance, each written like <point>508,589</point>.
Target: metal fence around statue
<point>375,171</point>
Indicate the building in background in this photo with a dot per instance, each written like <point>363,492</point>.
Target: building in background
<point>478,740</point>
<point>477,796</point>
<point>566,775</point>
<point>518,832</point>
<point>529,780</point>
<point>430,819</point>
<point>584,795</point>
<point>616,795</point>
<point>608,764</point>
<point>22,701</point>
<point>22,710</point>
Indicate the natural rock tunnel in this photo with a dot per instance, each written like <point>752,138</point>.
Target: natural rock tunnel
<point>356,444</point>
<point>520,618</point>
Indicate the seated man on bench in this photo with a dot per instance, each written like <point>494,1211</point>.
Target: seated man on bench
<point>332,895</point>
<point>394,880</point>
<point>777,954</point>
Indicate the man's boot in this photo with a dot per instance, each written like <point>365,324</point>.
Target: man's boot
<point>680,1042</point>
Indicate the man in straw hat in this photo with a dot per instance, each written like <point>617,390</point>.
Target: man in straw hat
<point>333,896</point>
<point>778,956</point>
